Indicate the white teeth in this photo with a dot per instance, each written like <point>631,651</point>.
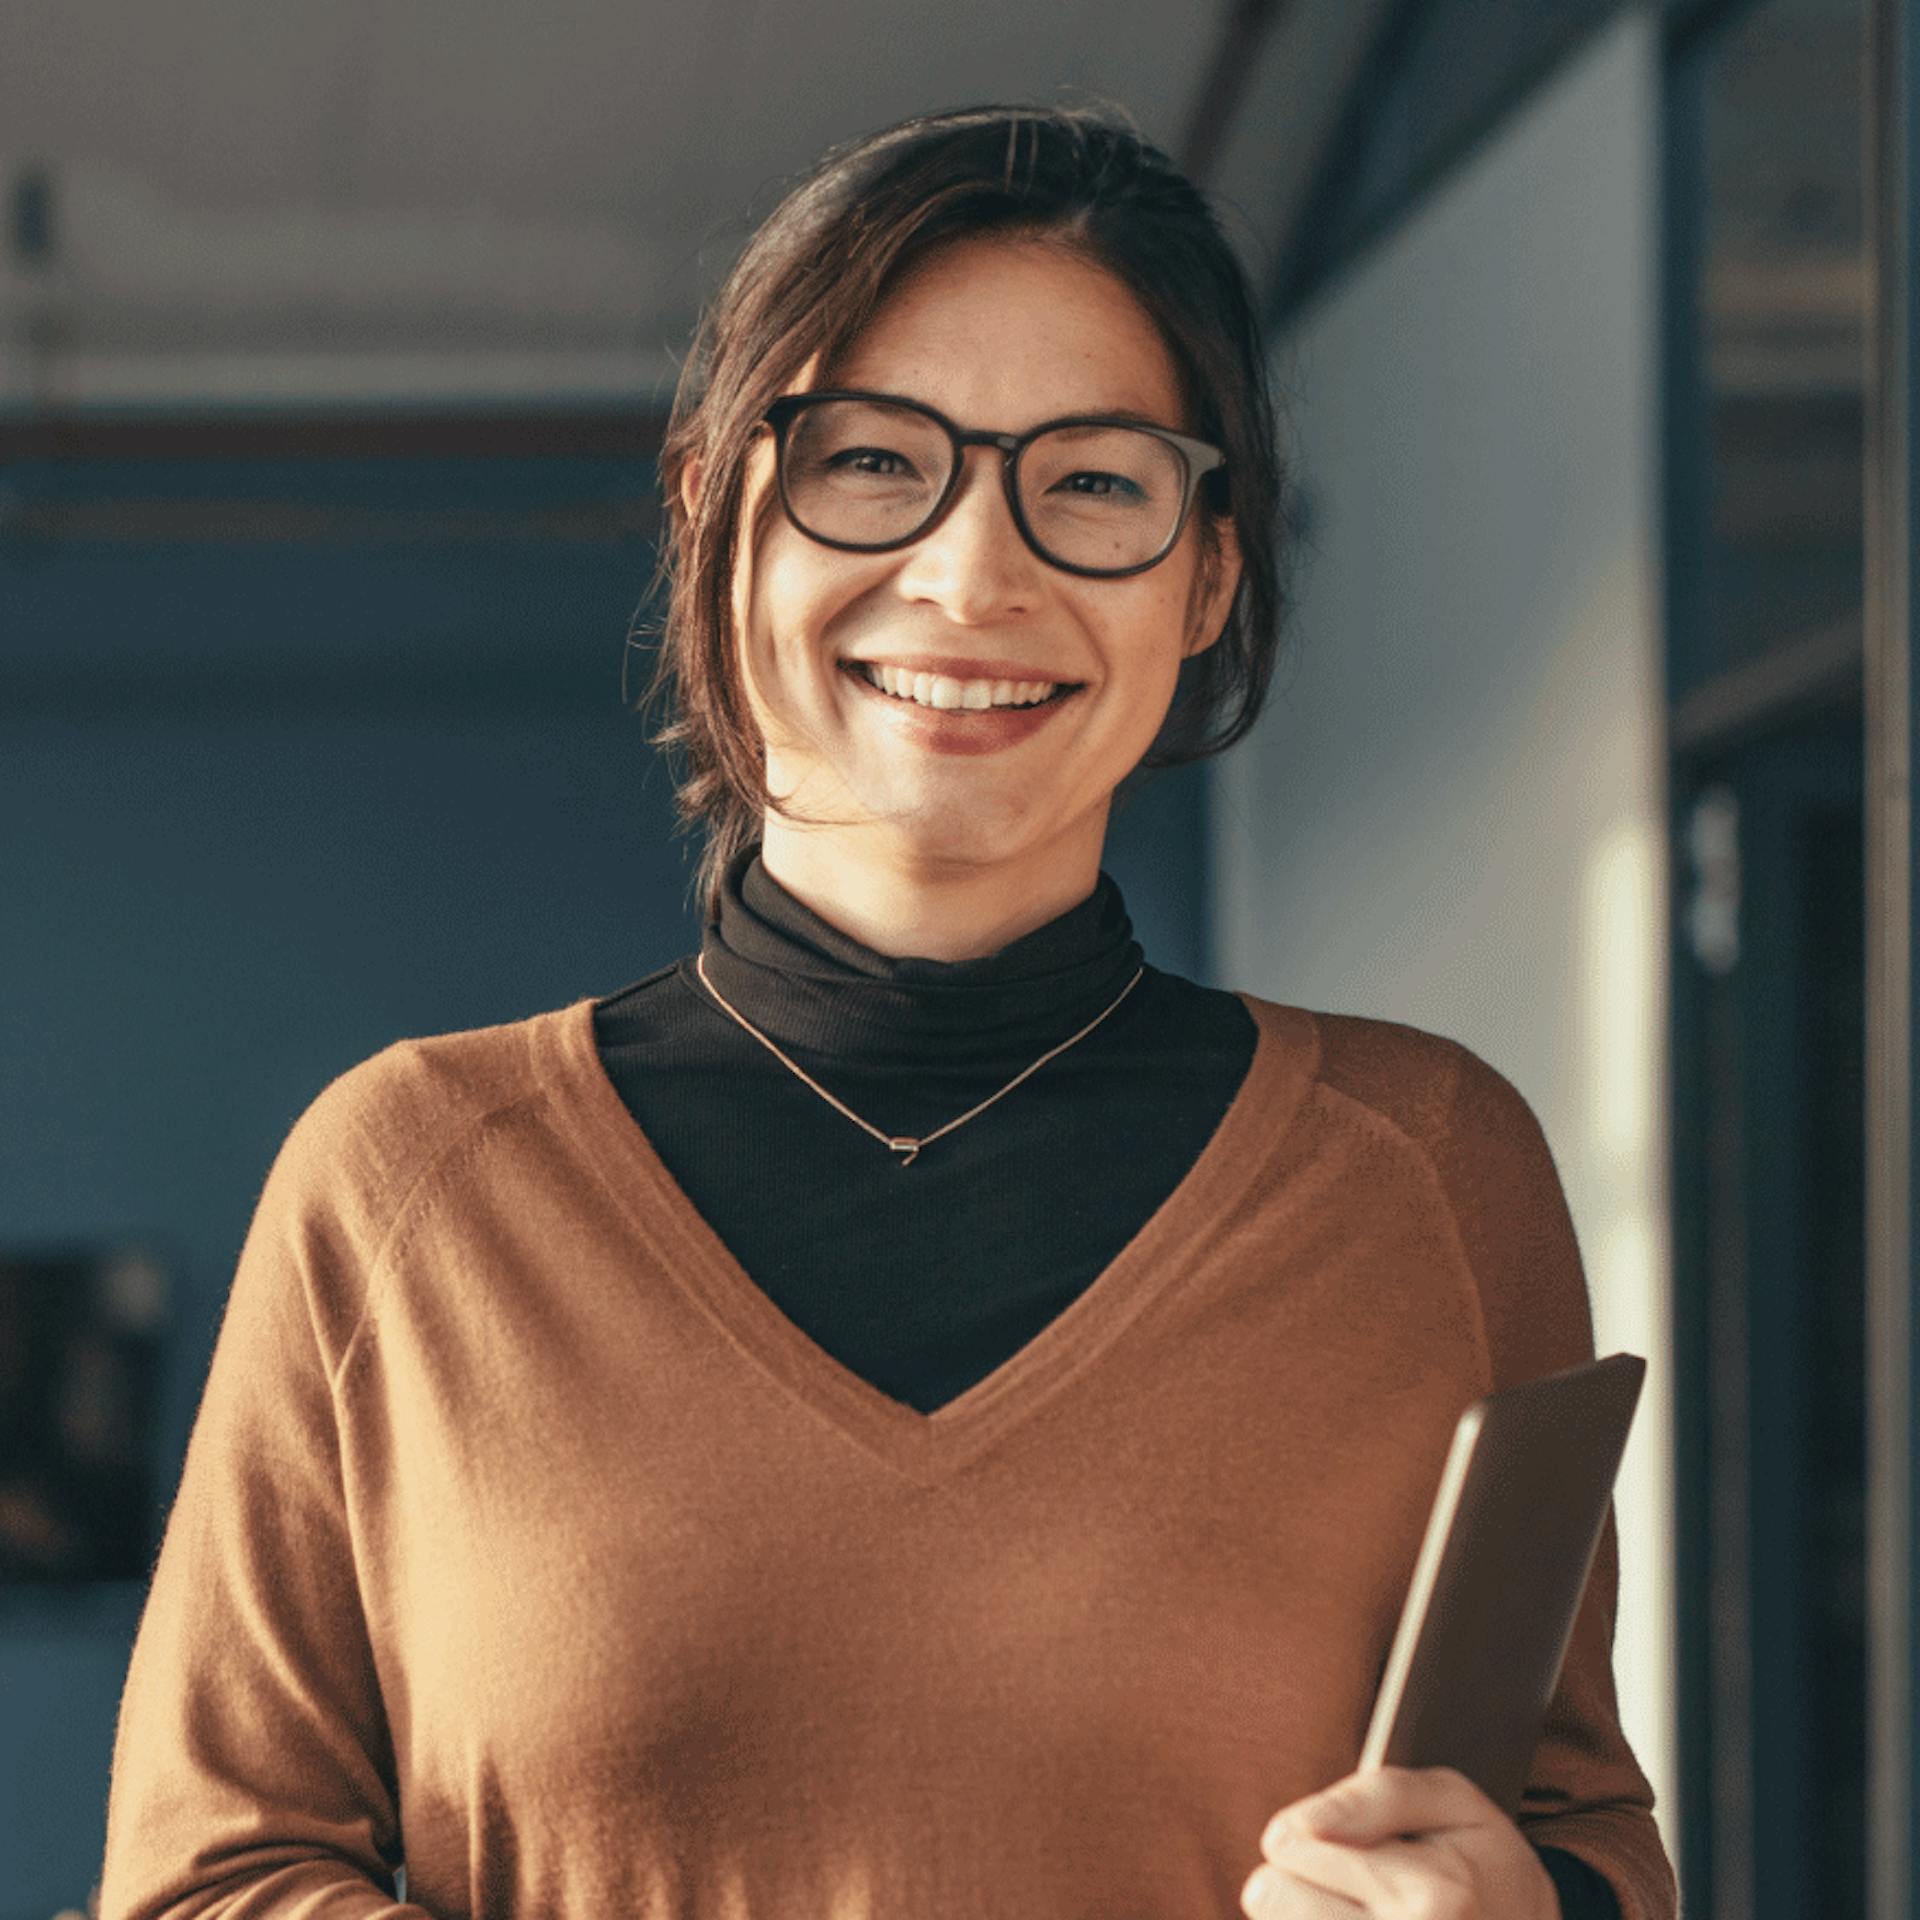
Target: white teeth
<point>942,691</point>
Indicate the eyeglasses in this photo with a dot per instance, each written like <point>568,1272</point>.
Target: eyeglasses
<point>1090,494</point>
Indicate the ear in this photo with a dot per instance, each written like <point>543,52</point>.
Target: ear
<point>1210,613</point>
<point>692,475</point>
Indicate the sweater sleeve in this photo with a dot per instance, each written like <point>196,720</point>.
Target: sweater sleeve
<point>1586,1793</point>
<point>252,1770</point>
<point>1583,1892</point>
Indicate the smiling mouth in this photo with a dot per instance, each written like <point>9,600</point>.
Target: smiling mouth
<point>939,693</point>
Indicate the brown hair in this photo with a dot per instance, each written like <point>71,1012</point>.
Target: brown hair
<point>811,277</point>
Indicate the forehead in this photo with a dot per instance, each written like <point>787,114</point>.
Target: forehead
<point>1001,332</point>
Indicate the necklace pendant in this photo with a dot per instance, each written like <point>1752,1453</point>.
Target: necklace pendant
<point>905,1146</point>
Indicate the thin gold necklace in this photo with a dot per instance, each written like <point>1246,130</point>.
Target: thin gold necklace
<point>903,1143</point>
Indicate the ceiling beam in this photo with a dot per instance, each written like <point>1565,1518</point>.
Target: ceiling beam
<point>1223,86</point>
<point>337,434</point>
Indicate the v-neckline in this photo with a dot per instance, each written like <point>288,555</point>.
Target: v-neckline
<point>927,1447</point>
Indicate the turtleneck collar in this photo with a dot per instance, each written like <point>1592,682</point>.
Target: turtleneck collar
<point>809,986</point>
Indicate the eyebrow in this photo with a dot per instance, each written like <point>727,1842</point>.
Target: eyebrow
<point>1123,415</point>
<point>1117,416</point>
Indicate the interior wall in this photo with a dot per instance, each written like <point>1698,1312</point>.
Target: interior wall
<point>1452,813</point>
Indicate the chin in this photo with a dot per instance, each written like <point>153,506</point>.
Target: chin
<point>976,840</point>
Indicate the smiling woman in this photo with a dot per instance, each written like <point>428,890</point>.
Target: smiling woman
<point>911,1410</point>
<point>1011,272</point>
<point>944,829</point>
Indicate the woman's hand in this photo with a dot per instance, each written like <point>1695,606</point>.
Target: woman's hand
<point>1398,1843</point>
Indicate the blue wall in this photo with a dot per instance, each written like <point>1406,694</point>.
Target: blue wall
<point>266,804</point>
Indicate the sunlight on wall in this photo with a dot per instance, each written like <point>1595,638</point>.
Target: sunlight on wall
<point>1620,1101</point>
<point>1453,812</point>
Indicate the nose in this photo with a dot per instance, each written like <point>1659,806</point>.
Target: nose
<point>974,565</point>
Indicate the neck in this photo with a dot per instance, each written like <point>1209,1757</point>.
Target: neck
<point>907,906</point>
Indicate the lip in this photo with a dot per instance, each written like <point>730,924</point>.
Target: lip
<point>960,730</point>
<point>962,667</point>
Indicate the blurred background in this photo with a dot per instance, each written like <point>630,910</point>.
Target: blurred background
<point>335,348</point>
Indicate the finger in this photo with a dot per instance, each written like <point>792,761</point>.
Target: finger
<point>1390,1877</point>
<point>1271,1893</point>
<point>1307,1867</point>
<point>1380,1803</point>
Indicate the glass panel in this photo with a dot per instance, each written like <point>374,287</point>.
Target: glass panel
<point>1783,304</point>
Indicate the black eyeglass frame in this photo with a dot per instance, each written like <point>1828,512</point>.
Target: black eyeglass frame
<point>1198,458</point>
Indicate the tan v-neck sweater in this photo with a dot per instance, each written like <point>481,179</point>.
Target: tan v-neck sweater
<point>522,1538</point>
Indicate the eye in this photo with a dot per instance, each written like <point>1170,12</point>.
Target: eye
<point>870,460</point>
<point>1102,485</point>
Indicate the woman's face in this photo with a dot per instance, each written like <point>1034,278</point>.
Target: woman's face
<point>998,334</point>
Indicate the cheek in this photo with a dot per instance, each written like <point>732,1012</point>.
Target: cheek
<point>800,610</point>
<point>797,597</point>
<point>770,594</point>
<point>1144,633</point>
<point>782,601</point>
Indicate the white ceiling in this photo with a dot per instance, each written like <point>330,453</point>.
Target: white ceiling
<point>255,200</point>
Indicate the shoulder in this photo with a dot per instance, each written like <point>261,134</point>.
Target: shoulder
<point>375,1138</point>
<point>393,1113</point>
<point>1435,1089</point>
<point>1431,1090</point>
<point>1480,1145</point>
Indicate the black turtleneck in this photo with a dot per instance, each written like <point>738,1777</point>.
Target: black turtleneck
<point>922,1279</point>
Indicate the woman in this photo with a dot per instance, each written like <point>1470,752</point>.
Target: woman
<point>910,1411</point>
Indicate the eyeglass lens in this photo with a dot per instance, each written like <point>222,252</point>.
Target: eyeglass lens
<point>866,473</point>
